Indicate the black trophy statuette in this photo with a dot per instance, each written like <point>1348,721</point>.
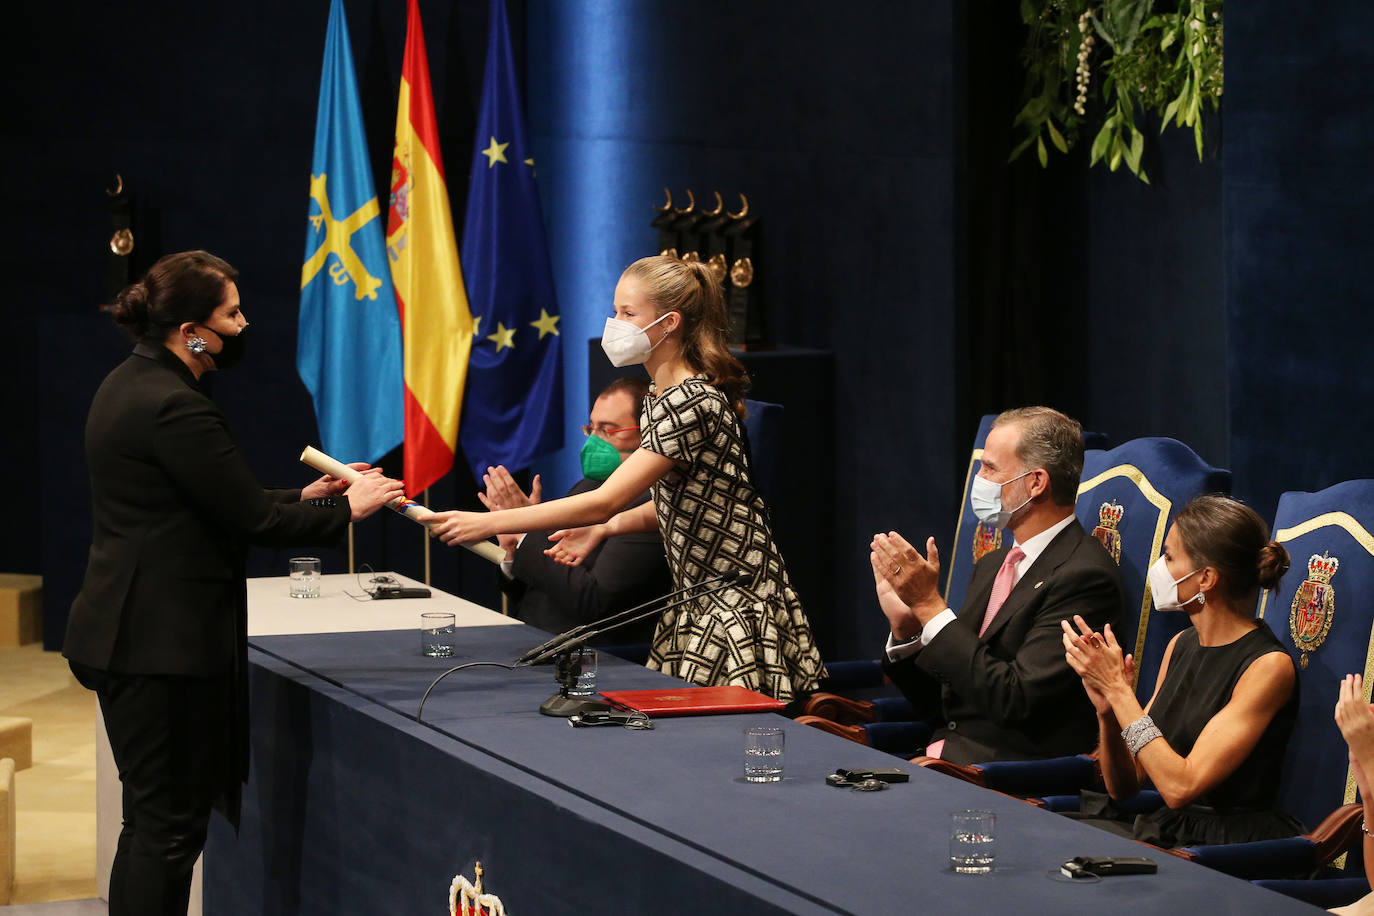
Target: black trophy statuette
<point>724,241</point>
<point>742,301</point>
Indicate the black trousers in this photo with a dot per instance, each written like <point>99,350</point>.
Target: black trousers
<point>170,737</point>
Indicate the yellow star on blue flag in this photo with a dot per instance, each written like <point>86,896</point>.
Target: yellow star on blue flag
<point>513,408</point>
<point>547,324</point>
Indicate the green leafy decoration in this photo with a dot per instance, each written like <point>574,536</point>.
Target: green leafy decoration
<point>1137,56</point>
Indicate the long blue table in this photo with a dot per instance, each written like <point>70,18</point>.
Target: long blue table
<point>354,806</point>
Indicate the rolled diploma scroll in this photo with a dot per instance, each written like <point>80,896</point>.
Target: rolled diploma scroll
<point>409,508</point>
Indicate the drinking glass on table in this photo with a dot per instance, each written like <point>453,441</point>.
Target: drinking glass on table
<point>972,842</point>
<point>763,747</point>
<point>585,686</point>
<point>436,634</point>
<point>305,577</point>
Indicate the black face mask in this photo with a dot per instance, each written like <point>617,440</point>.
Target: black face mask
<point>230,351</point>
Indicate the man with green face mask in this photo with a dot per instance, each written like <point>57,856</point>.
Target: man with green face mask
<point>623,571</point>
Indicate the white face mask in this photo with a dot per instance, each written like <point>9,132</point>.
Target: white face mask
<point>626,344</point>
<point>985,497</point>
<point>1164,587</point>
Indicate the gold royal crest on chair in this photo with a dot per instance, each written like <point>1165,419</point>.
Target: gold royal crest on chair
<point>468,899</point>
<point>1314,605</point>
<point>986,539</point>
<point>1107,531</point>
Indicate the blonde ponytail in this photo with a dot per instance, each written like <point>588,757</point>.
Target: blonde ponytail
<point>690,289</point>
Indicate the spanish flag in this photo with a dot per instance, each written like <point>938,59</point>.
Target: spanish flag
<point>436,323</point>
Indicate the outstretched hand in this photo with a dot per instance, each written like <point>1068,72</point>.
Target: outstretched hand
<point>454,527</point>
<point>573,545</point>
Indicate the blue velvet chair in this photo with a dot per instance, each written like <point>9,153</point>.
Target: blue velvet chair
<point>764,428</point>
<point>972,538</point>
<point>1127,499</point>
<point>1323,613</point>
<point>884,719</point>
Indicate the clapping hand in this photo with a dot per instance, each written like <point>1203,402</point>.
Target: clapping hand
<point>912,579</point>
<point>502,492</point>
<point>1355,719</point>
<point>1098,660</point>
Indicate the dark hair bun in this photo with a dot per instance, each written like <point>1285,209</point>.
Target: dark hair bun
<point>1273,563</point>
<point>130,309</point>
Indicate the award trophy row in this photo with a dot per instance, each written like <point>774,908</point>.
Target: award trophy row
<point>724,240</point>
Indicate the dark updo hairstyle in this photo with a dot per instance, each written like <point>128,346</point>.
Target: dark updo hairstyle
<point>1230,537</point>
<point>690,289</point>
<point>181,287</point>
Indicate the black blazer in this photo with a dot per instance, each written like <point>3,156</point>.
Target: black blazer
<point>174,508</point>
<point>1009,694</point>
<point>621,572</point>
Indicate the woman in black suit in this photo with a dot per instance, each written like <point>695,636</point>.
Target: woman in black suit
<point>158,629</point>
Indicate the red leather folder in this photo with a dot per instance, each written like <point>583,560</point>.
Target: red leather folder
<point>694,701</point>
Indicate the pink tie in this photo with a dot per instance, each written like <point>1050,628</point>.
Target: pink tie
<point>1001,588</point>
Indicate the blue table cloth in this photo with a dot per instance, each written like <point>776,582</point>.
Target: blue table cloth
<point>354,806</point>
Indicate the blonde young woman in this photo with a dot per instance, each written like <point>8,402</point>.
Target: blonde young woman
<point>670,315</point>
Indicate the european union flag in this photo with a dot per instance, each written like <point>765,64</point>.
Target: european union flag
<point>514,406</point>
<point>348,348</point>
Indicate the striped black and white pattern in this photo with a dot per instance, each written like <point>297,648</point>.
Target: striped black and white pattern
<point>712,519</point>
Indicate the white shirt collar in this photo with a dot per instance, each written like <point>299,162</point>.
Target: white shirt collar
<point>1036,545</point>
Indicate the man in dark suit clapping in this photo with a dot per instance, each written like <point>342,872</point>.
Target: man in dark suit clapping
<point>993,678</point>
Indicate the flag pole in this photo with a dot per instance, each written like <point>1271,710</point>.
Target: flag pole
<point>350,548</point>
<point>424,501</point>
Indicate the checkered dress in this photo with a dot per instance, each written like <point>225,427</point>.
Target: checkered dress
<point>712,519</point>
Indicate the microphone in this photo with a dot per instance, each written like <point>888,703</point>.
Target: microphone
<point>564,706</point>
<point>580,635</point>
<point>730,575</point>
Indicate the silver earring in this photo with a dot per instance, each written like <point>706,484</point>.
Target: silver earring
<point>1202,598</point>
<point>196,345</point>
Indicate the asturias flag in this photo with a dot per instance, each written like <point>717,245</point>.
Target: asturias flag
<point>348,348</point>
<point>435,319</point>
<point>515,378</point>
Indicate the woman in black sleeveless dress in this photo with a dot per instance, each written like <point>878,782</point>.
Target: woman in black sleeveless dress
<point>1211,740</point>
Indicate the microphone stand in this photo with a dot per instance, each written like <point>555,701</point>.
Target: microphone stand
<point>567,668</point>
<point>616,619</point>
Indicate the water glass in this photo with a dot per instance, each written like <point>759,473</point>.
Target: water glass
<point>586,679</point>
<point>972,842</point>
<point>763,746</point>
<point>436,634</point>
<point>305,577</point>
